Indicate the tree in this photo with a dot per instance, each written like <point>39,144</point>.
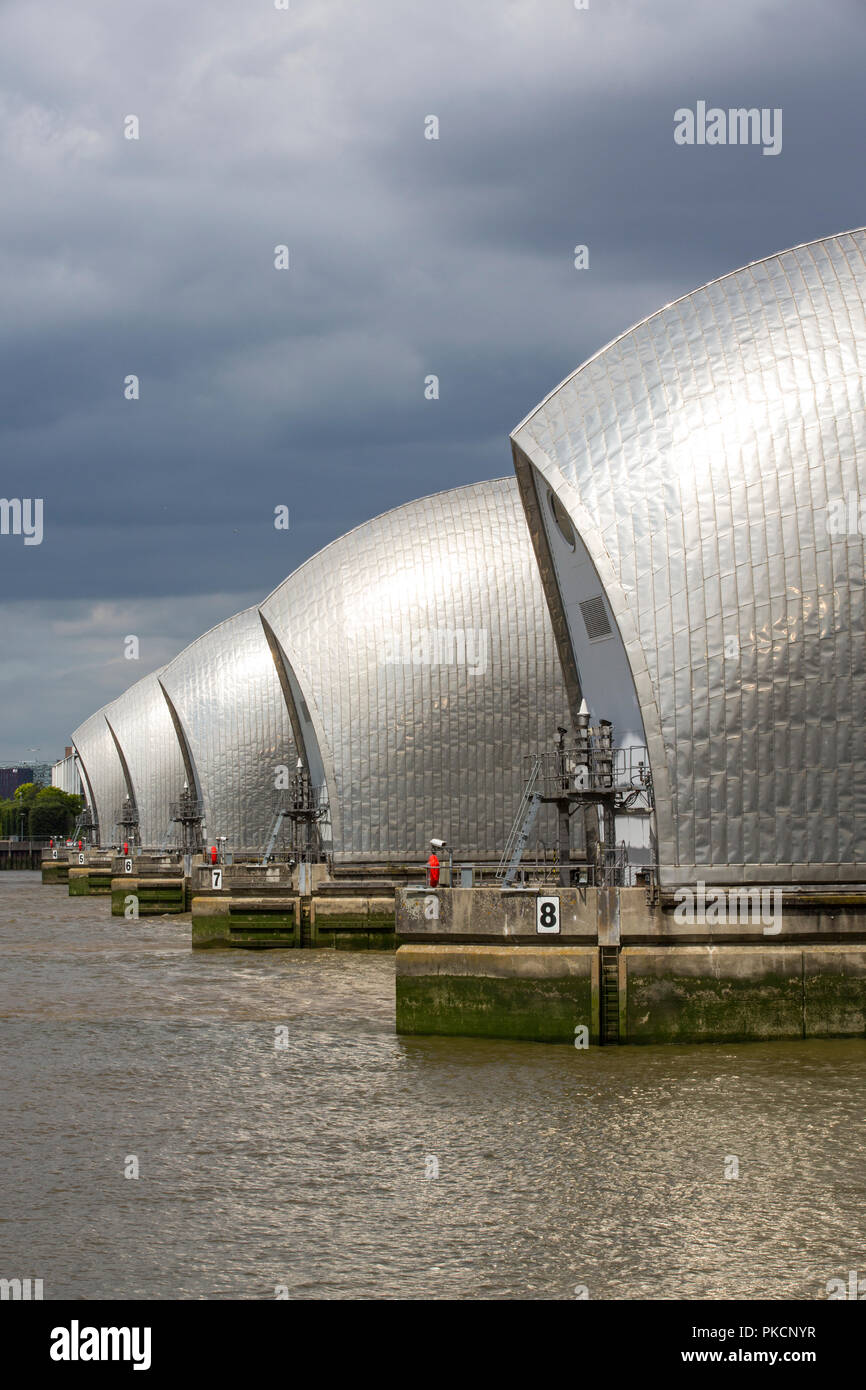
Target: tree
<point>53,812</point>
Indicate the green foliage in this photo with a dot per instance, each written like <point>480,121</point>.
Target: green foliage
<point>46,811</point>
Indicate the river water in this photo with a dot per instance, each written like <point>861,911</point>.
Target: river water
<point>287,1143</point>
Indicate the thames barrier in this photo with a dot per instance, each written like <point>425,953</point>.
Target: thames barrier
<point>586,745</point>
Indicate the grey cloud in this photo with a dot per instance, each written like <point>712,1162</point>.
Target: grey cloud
<point>408,257</point>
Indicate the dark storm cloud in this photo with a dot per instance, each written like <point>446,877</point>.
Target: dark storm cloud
<point>408,257</point>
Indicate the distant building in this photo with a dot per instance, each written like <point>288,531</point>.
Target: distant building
<point>12,777</point>
<point>64,773</point>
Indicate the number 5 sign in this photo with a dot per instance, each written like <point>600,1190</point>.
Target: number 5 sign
<point>547,916</point>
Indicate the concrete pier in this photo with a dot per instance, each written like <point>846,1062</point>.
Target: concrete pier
<point>260,906</point>
<point>93,878</point>
<point>247,905</point>
<point>56,868</point>
<point>531,992</point>
<point>149,895</point>
<point>475,963</point>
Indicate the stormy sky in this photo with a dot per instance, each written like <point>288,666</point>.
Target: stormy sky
<point>306,127</point>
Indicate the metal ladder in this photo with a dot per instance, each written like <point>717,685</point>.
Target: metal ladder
<point>521,829</point>
<point>609,1021</point>
<point>275,830</point>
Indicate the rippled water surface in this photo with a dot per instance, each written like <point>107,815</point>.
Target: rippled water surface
<point>305,1166</point>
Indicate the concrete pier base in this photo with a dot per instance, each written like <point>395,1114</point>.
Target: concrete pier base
<point>684,994</point>
<point>528,992</point>
<point>89,881</point>
<point>732,993</point>
<point>55,871</point>
<point>252,922</point>
<point>149,896</point>
<point>278,905</point>
<point>352,924</point>
<point>477,962</point>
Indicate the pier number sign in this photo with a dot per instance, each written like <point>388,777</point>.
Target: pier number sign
<point>127,866</point>
<point>80,857</point>
<point>547,916</point>
<point>54,854</point>
<point>216,878</point>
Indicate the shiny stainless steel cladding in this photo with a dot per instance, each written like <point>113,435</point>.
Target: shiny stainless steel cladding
<point>424,657</point>
<point>149,752</point>
<point>699,458</point>
<point>105,785</point>
<point>226,695</point>
<point>412,664</point>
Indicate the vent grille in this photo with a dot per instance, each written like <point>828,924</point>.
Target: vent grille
<point>595,618</point>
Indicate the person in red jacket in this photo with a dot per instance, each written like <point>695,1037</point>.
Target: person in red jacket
<point>433,870</point>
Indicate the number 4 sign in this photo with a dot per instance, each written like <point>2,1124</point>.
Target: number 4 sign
<point>547,916</point>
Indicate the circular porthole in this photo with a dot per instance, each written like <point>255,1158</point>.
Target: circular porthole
<point>560,516</point>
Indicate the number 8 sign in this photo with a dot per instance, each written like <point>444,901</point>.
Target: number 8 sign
<point>547,916</point>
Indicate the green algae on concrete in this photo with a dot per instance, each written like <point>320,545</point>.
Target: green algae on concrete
<point>251,923</point>
<point>712,993</point>
<point>89,882</point>
<point>537,994</point>
<point>152,896</point>
<point>687,994</point>
<point>834,991</point>
<point>55,871</point>
<point>352,924</point>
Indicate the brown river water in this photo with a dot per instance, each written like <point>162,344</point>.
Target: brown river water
<point>310,1167</point>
